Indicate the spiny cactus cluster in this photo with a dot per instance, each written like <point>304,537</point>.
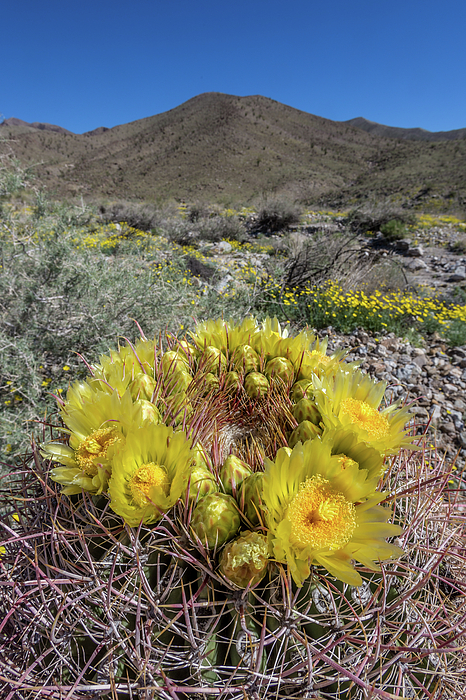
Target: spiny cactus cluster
<point>212,520</point>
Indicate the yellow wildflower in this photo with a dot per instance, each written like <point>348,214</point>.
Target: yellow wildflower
<point>150,473</point>
<point>320,513</point>
<point>351,400</point>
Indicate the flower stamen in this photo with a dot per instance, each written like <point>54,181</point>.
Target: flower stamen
<point>320,517</point>
<point>148,477</point>
<point>366,417</point>
<point>95,446</point>
<point>346,462</point>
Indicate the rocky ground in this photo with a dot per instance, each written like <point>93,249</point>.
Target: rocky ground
<point>431,380</point>
<point>435,257</point>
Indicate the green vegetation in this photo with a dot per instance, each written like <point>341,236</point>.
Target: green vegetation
<point>73,280</point>
<point>394,230</point>
<point>402,313</point>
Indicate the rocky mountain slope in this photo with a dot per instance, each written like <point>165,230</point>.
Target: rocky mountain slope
<point>395,132</point>
<point>225,148</point>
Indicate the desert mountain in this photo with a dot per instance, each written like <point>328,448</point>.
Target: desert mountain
<point>395,132</point>
<point>26,127</point>
<point>233,149</point>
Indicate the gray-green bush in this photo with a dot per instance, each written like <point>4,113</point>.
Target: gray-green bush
<point>277,215</point>
<point>59,297</point>
<point>394,230</point>
<point>372,216</point>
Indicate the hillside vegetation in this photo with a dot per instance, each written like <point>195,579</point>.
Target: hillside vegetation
<point>228,149</point>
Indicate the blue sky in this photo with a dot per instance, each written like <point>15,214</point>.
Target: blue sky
<point>83,64</point>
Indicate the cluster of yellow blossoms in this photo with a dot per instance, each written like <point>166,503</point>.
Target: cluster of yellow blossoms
<point>270,448</point>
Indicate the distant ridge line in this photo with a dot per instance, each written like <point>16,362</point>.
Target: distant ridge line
<point>396,132</point>
<point>382,130</point>
<point>42,126</point>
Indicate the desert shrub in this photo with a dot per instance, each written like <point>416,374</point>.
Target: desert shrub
<point>144,217</point>
<point>372,216</point>
<point>315,260</point>
<point>201,210</point>
<point>215,228</point>
<point>222,228</point>
<point>59,298</point>
<point>277,215</point>
<point>67,215</point>
<point>14,177</point>
<point>178,230</point>
<point>394,230</point>
<point>42,205</point>
<point>385,274</point>
<point>455,333</point>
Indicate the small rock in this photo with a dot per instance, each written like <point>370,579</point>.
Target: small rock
<point>458,275</point>
<point>376,368</point>
<point>402,246</point>
<point>457,418</point>
<point>436,415</point>
<point>392,344</point>
<point>223,284</point>
<point>222,247</point>
<point>416,252</point>
<point>408,372</point>
<point>416,265</point>
<point>451,389</point>
<point>420,360</point>
<point>455,372</point>
<point>419,412</point>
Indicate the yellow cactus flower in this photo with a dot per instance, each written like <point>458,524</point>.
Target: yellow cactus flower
<point>315,361</point>
<point>351,400</point>
<point>121,367</point>
<point>320,513</point>
<point>97,424</point>
<point>273,341</point>
<point>150,473</point>
<point>224,335</point>
<point>345,444</point>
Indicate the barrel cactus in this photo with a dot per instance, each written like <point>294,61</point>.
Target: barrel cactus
<point>231,515</point>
